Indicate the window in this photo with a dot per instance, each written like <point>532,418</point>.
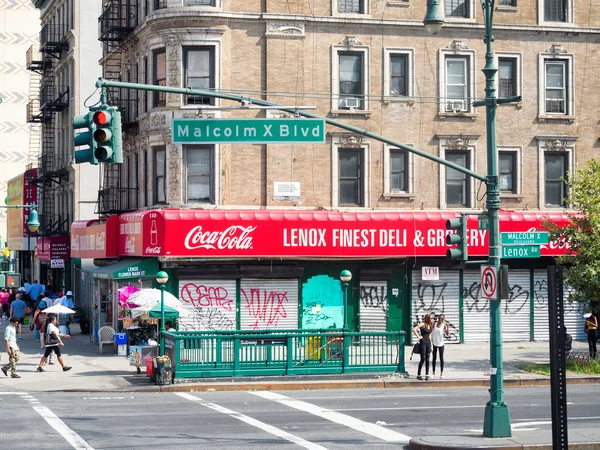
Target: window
<point>556,168</point>
<point>556,81</point>
<point>399,75</point>
<point>145,189</point>
<point>507,172</point>
<point>198,167</point>
<point>350,177</point>
<point>136,178</point>
<point>351,6</point>
<point>160,170</point>
<point>457,84</point>
<point>160,4</point>
<point>201,2</point>
<point>144,93</point>
<point>457,183</point>
<point>398,171</point>
<point>507,3</point>
<point>555,10</point>
<point>199,73</point>
<point>457,8</point>
<point>351,80</point>
<point>159,76</point>
<point>507,77</point>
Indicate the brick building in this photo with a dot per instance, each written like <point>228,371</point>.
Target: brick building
<point>372,65</point>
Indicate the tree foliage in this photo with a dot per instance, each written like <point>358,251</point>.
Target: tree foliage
<point>583,234</point>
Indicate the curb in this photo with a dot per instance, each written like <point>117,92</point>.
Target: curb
<point>267,385</point>
<point>491,443</point>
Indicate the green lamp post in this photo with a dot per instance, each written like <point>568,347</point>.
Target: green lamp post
<point>345,276</point>
<point>497,416</point>
<point>162,277</point>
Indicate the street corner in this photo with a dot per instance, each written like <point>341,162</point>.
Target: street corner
<point>464,442</point>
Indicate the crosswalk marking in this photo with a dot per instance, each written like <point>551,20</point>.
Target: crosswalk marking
<point>343,419</point>
<point>256,423</point>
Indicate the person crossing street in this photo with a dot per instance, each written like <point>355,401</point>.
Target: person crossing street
<point>12,348</point>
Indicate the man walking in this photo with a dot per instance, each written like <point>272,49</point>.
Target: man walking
<point>17,309</point>
<point>12,348</point>
<point>53,342</point>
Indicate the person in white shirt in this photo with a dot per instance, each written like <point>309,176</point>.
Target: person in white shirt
<point>12,348</point>
<point>440,330</point>
<point>53,343</point>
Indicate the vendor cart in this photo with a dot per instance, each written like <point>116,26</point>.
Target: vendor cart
<point>139,354</point>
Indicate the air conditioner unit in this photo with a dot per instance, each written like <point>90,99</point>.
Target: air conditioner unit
<point>456,105</point>
<point>350,102</point>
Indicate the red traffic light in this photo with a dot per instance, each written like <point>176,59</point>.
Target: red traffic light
<point>101,118</point>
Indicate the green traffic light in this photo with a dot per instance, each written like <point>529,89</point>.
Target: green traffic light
<point>459,238</point>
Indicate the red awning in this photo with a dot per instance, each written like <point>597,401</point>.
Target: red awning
<point>94,238</point>
<point>310,234</point>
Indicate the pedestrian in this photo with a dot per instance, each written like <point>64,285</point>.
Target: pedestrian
<point>67,301</point>
<point>4,296</point>
<point>53,343</point>
<point>35,290</point>
<point>169,327</point>
<point>12,348</point>
<point>591,329</point>
<point>39,320</point>
<point>437,337</point>
<point>18,309</point>
<point>426,328</point>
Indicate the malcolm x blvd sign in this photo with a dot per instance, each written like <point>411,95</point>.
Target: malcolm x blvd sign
<point>249,131</point>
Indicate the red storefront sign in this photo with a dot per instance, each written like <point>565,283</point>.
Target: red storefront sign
<point>20,191</point>
<point>323,234</point>
<point>94,239</point>
<point>53,247</point>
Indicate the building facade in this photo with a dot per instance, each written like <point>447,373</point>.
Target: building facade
<point>372,65</point>
<point>67,61</point>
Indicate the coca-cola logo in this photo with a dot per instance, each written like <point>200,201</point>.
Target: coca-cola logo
<point>235,237</point>
<point>552,245</point>
<point>130,244</point>
<point>153,250</point>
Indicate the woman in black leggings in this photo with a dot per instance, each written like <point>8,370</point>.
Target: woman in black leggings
<point>425,342</point>
<point>439,331</point>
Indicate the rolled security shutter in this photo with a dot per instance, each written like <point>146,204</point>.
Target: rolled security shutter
<point>210,305</point>
<point>269,304</point>
<point>438,297</point>
<point>515,310</point>
<point>573,311</point>
<point>373,306</point>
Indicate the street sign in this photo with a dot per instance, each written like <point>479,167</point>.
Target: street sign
<point>520,251</point>
<point>483,223</point>
<point>248,131</point>
<point>489,281</point>
<point>534,238</point>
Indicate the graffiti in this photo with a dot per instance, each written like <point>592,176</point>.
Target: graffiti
<point>430,297</point>
<point>322,303</point>
<point>472,298</point>
<point>373,297</point>
<point>266,307</point>
<point>206,296</point>
<point>207,319</point>
<point>518,298</point>
<point>540,294</point>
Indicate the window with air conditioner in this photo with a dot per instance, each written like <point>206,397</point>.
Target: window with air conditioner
<point>351,80</point>
<point>457,84</point>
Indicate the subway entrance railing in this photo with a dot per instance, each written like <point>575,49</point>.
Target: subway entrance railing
<point>198,354</point>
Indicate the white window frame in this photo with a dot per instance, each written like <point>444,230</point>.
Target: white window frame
<point>209,41</point>
<point>337,144</point>
<point>453,51</point>
<point>218,5</point>
<point>470,18</point>
<point>335,77</point>
<point>471,148</point>
<point>548,144</point>
<point>336,13</point>
<point>518,57</point>
<point>557,55</point>
<point>387,165</point>
<point>570,15</point>
<point>518,151</point>
<point>409,53</point>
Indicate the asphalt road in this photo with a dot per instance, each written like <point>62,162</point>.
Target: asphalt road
<point>335,419</point>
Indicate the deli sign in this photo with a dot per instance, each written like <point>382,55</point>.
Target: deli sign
<point>259,233</point>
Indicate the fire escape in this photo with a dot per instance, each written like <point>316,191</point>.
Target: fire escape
<point>116,25</point>
<point>52,98</point>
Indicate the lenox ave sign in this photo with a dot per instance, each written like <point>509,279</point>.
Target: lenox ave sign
<point>249,131</point>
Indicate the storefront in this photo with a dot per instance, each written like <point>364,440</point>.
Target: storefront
<point>54,255</point>
<point>263,269</point>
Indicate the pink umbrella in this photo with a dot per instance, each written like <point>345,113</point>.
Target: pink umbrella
<point>124,294</point>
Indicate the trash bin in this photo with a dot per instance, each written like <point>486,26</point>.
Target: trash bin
<point>313,348</point>
<point>163,370</point>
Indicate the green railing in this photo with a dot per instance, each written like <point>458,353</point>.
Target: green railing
<point>197,354</point>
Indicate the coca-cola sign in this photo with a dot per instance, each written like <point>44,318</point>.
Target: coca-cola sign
<point>310,234</point>
<point>94,238</point>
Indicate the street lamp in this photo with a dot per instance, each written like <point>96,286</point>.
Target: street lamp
<point>345,276</point>
<point>496,421</point>
<point>162,277</point>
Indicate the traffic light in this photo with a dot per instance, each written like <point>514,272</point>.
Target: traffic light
<point>13,280</point>
<point>108,147</point>
<point>458,238</point>
<point>85,155</point>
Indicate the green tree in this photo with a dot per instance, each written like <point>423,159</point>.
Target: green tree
<point>583,234</point>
